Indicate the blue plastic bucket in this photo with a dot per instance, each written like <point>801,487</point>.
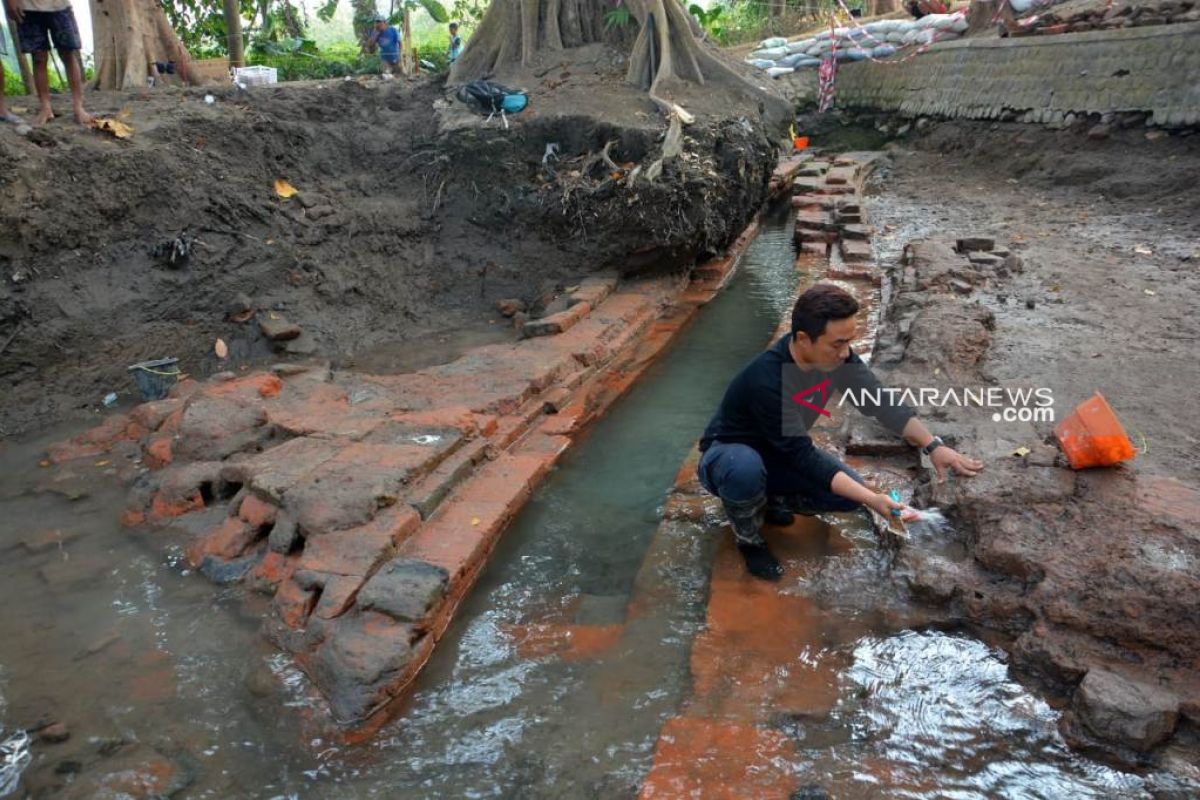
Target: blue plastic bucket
<point>155,378</point>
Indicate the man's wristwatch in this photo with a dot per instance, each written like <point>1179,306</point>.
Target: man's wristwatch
<point>934,444</point>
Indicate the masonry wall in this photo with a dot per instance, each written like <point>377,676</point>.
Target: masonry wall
<point>1040,78</point>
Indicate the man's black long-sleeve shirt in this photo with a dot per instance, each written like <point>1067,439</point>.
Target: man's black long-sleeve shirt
<point>757,403</point>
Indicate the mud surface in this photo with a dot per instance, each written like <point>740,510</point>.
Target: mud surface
<point>1089,572</point>
<point>404,229</point>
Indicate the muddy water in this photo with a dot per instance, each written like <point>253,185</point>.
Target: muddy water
<point>166,684</point>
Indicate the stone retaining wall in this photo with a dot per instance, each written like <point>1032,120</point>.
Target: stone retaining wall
<point>1037,79</point>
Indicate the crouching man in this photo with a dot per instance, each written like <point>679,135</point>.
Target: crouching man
<point>757,455</point>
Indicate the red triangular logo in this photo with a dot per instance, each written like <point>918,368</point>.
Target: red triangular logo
<point>823,388</point>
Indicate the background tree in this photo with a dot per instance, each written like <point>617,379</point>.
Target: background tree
<point>666,52</point>
<point>129,36</point>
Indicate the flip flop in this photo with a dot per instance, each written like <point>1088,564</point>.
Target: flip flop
<point>13,118</point>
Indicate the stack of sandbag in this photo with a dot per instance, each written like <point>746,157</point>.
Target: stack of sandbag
<point>880,39</point>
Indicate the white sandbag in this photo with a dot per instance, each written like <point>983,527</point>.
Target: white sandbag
<point>801,46</point>
<point>926,36</point>
<point>772,43</point>
<point>885,25</point>
<point>896,37</point>
<point>775,72</point>
<point>1021,6</point>
<point>883,51</point>
<point>960,24</point>
<point>762,63</point>
<point>774,53</point>
<point>808,63</point>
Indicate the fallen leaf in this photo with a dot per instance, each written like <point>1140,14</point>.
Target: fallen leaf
<point>273,315</point>
<point>243,316</point>
<point>285,189</point>
<point>1150,292</point>
<point>44,463</point>
<point>112,126</point>
<point>1021,452</point>
<point>474,521</point>
<point>103,463</point>
<point>220,348</point>
<point>1143,250</point>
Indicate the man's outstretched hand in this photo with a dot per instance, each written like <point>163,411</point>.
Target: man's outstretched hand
<point>944,458</point>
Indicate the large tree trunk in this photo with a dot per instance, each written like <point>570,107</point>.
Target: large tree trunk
<point>667,50</point>
<point>130,35</point>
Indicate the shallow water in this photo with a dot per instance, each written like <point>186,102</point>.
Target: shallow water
<point>156,669</point>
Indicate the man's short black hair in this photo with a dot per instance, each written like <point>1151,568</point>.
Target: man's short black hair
<point>453,25</point>
<point>817,306</point>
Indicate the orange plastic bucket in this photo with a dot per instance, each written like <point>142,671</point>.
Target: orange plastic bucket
<point>1091,435</point>
<point>800,142</point>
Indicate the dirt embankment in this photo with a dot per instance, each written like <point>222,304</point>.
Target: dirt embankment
<point>404,230</point>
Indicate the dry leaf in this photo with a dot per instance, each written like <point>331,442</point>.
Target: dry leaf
<point>44,463</point>
<point>285,189</point>
<point>115,127</point>
<point>243,316</point>
<point>1143,250</point>
<point>103,463</point>
<point>1150,292</point>
<point>1021,452</point>
<point>474,521</point>
<point>220,348</point>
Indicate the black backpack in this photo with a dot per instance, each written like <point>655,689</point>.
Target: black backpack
<point>490,98</point>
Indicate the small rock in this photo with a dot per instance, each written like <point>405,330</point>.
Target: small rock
<point>1115,708</point>
<point>960,286</point>
<point>279,330</point>
<point>1098,132</point>
<point>240,304</point>
<point>54,734</point>
<point>285,535</point>
<point>290,370</point>
<point>302,345</point>
<point>1154,136</point>
<point>1030,303</point>
<point>519,319</point>
<point>972,244</point>
<point>510,306</point>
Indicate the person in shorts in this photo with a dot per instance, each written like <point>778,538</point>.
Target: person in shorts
<point>40,23</point>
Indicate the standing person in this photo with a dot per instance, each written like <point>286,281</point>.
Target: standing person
<point>757,454</point>
<point>387,39</point>
<point>5,114</point>
<point>38,22</point>
<point>455,42</point>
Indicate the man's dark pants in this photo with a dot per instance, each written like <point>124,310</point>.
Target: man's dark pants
<point>743,478</point>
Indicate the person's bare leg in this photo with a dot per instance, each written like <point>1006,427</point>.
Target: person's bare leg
<point>41,81</point>
<point>74,66</point>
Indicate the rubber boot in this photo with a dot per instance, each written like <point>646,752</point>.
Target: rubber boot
<point>778,511</point>
<point>746,519</point>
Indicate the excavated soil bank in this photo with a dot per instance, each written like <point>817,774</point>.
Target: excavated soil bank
<point>115,251</point>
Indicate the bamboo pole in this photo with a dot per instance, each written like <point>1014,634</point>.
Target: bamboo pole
<point>22,61</point>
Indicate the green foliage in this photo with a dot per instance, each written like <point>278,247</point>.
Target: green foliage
<point>434,9</point>
<point>617,17</point>
<point>472,10</point>
<point>709,20</point>
<point>201,24</point>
